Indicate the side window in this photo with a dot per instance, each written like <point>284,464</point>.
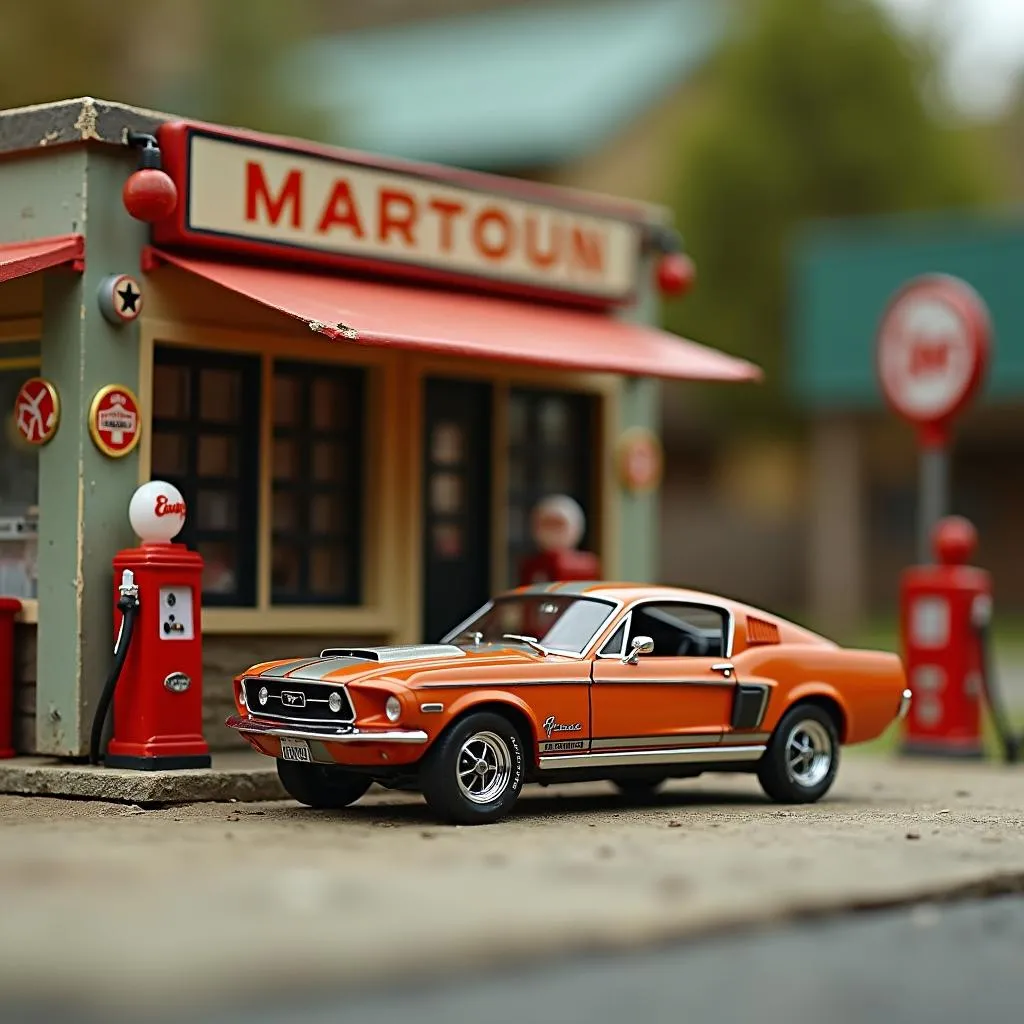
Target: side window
<point>680,630</point>
<point>614,646</point>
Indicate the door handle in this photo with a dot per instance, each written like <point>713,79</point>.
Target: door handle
<point>724,667</point>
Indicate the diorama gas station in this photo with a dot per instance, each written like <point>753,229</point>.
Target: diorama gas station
<point>357,378</point>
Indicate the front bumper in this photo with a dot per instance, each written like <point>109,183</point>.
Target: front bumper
<point>324,733</point>
<point>905,698</point>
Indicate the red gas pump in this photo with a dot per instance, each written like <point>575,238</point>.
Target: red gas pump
<point>156,679</point>
<point>945,617</point>
<point>557,524</point>
<point>9,608</point>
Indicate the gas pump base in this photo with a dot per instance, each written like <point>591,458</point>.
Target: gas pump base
<point>168,753</point>
<point>156,763</point>
<point>968,752</point>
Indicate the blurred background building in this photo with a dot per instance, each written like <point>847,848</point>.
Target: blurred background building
<point>816,153</point>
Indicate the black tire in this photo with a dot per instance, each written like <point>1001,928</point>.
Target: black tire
<point>322,786</point>
<point>638,789</point>
<point>489,744</point>
<point>802,758</point>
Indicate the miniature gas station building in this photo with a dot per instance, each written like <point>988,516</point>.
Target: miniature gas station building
<point>360,373</point>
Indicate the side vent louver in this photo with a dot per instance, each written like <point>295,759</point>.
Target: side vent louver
<point>761,632</point>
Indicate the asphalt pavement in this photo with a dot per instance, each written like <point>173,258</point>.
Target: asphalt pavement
<point>927,964</point>
<point>946,964</point>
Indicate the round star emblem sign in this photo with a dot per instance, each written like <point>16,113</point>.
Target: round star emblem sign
<point>120,298</point>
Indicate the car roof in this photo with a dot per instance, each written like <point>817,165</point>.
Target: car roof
<point>629,593</point>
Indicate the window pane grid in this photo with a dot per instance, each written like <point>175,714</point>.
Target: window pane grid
<point>206,409</point>
<point>315,546</point>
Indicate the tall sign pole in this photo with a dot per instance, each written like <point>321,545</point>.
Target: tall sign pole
<point>932,352</point>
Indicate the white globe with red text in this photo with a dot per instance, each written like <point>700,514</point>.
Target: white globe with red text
<point>157,512</point>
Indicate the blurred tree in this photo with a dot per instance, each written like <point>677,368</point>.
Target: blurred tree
<point>207,59</point>
<point>818,108</point>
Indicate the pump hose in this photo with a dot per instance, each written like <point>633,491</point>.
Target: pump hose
<point>1011,743</point>
<point>129,609</point>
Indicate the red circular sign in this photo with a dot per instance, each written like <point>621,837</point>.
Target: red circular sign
<point>933,350</point>
<point>114,420</point>
<point>37,411</point>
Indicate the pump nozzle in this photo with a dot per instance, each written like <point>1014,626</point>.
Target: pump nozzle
<point>128,587</point>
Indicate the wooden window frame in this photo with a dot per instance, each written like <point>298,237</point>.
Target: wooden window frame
<point>387,607</point>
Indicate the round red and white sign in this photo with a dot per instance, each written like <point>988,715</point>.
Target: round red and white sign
<point>37,411</point>
<point>114,421</point>
<point>933,349</point>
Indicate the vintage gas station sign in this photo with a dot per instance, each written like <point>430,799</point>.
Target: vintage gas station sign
<point>322,207</point>
<point>933,347</point>
<point>932,352</point>
<point>115,424</point>
<point>37,411</point>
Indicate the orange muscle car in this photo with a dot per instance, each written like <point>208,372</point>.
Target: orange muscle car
<point>565,682</point>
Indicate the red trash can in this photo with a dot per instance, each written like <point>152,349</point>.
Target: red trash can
<point>9,608</point>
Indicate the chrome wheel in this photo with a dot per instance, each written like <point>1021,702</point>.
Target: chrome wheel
<point>808,753</point>
<point>483,767</point>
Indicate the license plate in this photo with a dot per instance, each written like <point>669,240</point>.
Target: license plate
<point>295,750</point>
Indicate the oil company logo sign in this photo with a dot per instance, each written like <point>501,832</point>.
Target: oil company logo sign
<point>278,197</point>
<point>932,349</point>
<point>37,411</point>
<point>115,423</point>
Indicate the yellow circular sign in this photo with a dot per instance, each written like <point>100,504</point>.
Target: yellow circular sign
<point>115,421</point>
<point>640,460</point>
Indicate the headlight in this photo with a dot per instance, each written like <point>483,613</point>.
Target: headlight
<point>393,709</point>
<point>334,702</point>
<point>263,694</point>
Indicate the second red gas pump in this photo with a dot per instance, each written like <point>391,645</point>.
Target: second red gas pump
<point>155,684</point>
<point>557,523</point>
<point>945,620</point>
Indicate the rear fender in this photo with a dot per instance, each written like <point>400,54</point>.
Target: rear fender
<point>826,694</point>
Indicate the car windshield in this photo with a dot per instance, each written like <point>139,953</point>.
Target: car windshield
<point>556,622</point>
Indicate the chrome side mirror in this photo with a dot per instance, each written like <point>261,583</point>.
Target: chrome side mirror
<point>640,645</point>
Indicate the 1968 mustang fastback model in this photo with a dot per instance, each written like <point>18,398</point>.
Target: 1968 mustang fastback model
<point>565,682</point>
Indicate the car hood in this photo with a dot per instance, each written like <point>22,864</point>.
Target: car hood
<point>411,665</point>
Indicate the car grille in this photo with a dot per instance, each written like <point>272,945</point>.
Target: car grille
<point>297,702</point>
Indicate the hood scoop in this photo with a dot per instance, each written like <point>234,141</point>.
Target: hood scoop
<point>410,652</point>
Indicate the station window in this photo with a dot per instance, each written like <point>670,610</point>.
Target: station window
<point>551,451</point>
<point>317,466</point>
<point>19,477</point>
<point>206,410</point>
<point>207,414</point>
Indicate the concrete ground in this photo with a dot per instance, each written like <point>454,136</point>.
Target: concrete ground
<point>110,907</point>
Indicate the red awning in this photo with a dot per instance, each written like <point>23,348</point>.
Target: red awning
<point>18,259</point>
<point>479,327</point>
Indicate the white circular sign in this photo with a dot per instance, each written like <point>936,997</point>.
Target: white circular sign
<point>557,523</point>
<point>932,349</point>
<point>157,512</point>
